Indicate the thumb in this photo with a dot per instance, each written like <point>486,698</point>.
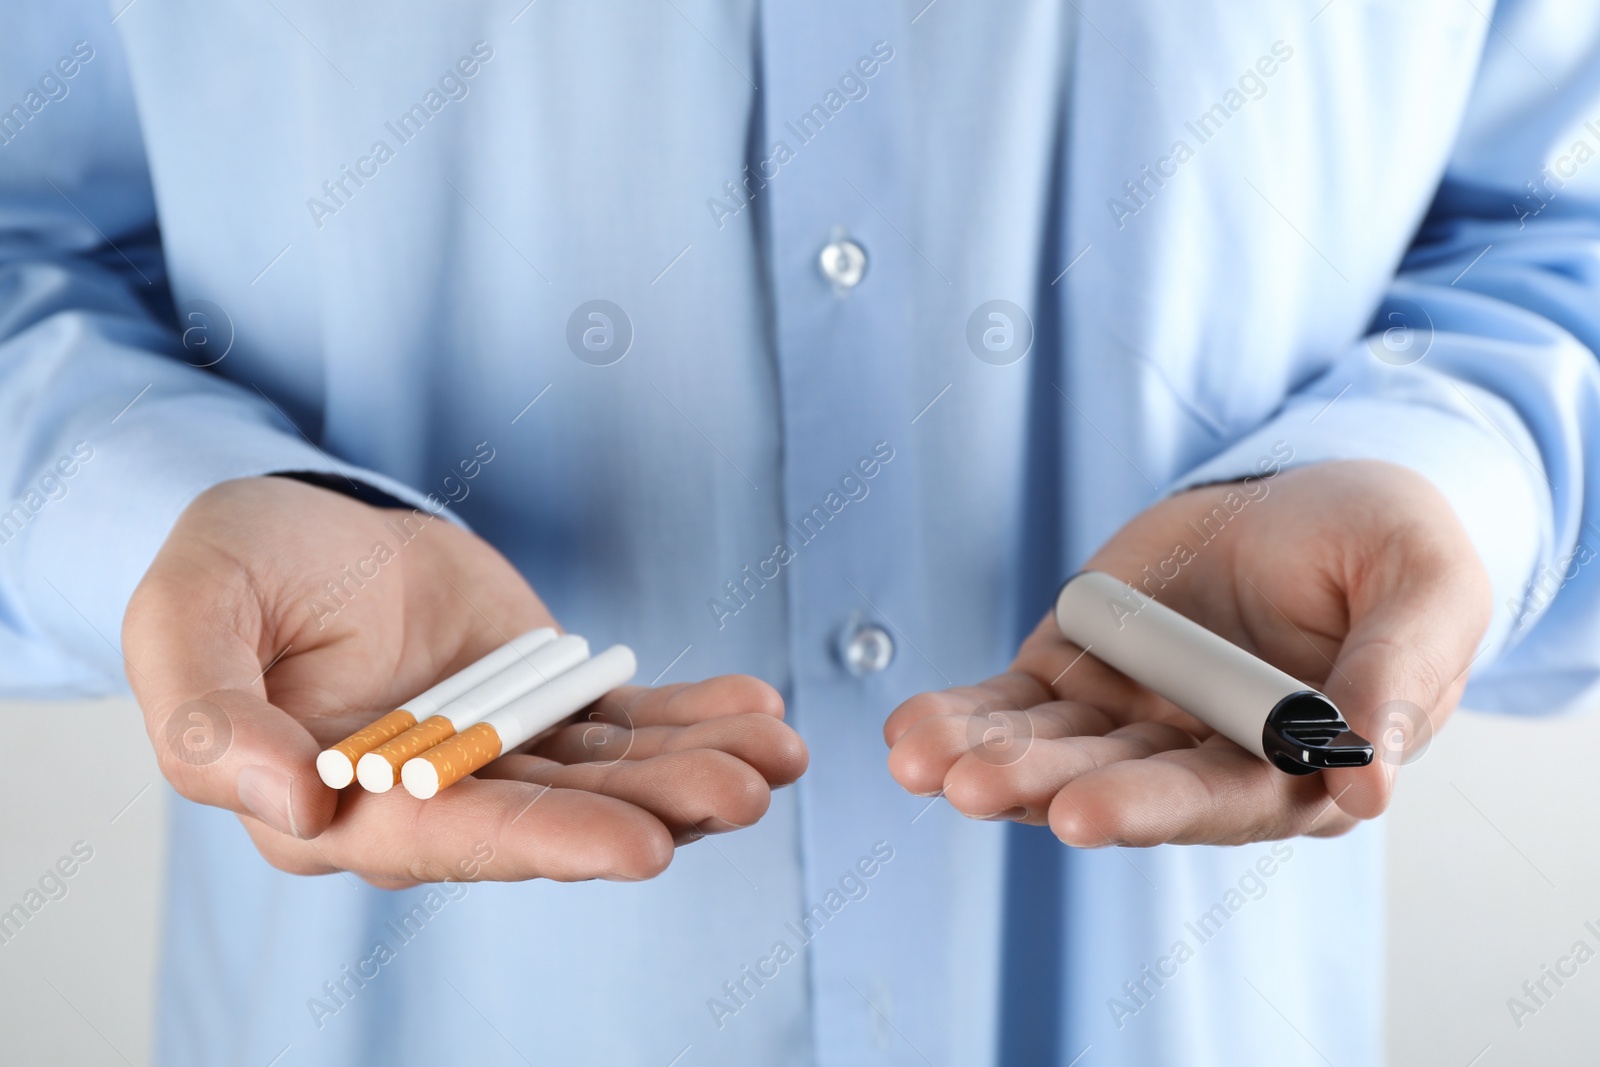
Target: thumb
<point>218,740</point>
<point>1400,672</point>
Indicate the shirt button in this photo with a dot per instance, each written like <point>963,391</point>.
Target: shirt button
<point>843,262</point>
<point>865,647</point>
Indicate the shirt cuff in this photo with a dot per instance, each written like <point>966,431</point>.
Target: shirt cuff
<point>81,556</point>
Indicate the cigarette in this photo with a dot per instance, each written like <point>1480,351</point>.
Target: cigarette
<point>1243,698</point>
<point>519,721</point>
<point>337,765</point>
<point>379,770</point>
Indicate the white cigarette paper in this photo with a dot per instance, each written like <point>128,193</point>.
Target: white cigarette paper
<point>517,722</point>
<point>379,769</point>
<point>336,765</point>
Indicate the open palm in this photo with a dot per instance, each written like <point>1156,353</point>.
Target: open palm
<point>280,617</point>
<point>1354,577</point>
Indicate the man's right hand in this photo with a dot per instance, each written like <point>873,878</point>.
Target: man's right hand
<point>246,668</point>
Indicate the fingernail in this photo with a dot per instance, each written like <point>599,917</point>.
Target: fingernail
<point>1004,816</point>
<point>1107,841</point>
<point>269,795</point>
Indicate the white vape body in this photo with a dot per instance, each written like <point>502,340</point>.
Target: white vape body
<point>1252,703</point>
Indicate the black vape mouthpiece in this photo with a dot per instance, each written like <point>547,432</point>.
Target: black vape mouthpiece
<point>1306,733</point>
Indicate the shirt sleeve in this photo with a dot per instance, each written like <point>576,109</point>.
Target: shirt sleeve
<point>111,427</point>
<point>1480,369</point>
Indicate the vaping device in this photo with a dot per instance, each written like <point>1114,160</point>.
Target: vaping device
<point>1243,698</point>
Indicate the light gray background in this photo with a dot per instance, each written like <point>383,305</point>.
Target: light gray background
<point>1493,872</point>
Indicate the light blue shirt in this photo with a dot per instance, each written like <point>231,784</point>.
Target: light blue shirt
<point>387,224</point>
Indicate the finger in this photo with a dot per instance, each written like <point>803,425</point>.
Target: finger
<point>1413,637</point>
<point>480,829</point>
<point>1068,672</point>
<point>391,884</point>
<point>922,758</point>
<point>1013,689</point>
<point>198,676</point>
<point>693,793</point>
<point>1215,793</point>
<point>1023,788</point>
<point>686,703</point>
<point>775,750</point>
<point>290,855</point>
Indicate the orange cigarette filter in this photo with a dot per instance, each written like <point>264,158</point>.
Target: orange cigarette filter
<point>431,731</point>
<point>379,770</point>
<point>521,720</point>
<point>361,742</point>
<point>378,733</point>
<point>336,766</point>
<point>471,749</point>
